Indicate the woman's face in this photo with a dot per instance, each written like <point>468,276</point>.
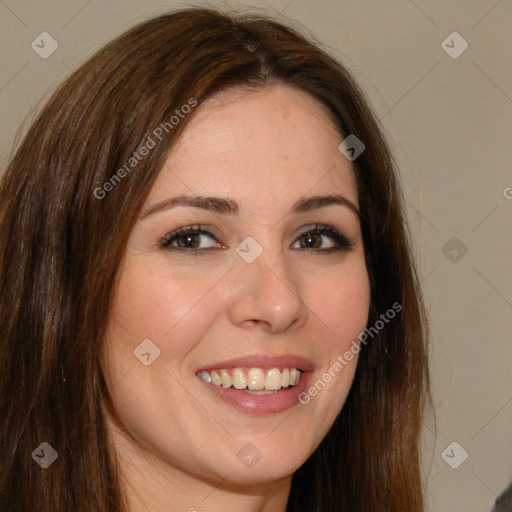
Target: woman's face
<point>266,283</point>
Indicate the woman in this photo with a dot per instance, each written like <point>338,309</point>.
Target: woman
<point>209,297</point>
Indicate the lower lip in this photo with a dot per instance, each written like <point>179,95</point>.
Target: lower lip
<point>274,403</point>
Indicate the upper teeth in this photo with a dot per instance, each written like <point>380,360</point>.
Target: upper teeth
<point>255,379</point>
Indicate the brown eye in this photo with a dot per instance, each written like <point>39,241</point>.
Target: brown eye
<point>312,240</point>
<point>188,241</point>
<point>190,238</point>
<point>318,236</point>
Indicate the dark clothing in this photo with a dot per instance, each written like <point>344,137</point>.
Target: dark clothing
<point>504,501</point>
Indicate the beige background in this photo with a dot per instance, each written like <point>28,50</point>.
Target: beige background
<point>449,122</point>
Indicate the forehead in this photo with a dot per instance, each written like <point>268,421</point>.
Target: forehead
<point>268,142</point>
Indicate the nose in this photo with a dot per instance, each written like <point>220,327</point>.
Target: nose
<point>266,293</point>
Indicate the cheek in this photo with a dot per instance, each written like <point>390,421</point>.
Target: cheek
<point>341,302</point>
<point>171,308</point>
<point>341,305</point>
<point>155,302</point>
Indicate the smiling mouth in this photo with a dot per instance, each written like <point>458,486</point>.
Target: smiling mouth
<point>256,381</point>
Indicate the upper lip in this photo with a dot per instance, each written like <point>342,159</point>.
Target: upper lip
<point>263,362</point>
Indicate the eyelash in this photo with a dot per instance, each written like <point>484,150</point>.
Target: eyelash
<point>343,242</point>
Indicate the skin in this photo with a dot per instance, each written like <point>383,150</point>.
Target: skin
<point>177,443</point>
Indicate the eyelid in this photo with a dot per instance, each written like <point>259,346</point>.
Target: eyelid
<point>201,229</point>
<point>342,241</point>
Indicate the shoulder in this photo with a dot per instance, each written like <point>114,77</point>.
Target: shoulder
<point>504,501</point>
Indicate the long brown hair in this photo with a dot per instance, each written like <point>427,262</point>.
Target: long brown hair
<point>63,238</point>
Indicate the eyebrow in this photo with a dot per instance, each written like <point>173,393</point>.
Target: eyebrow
<point>228,206</point>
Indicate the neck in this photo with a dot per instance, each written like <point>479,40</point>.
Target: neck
<point>177,491</point>
<point>194,496</point>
